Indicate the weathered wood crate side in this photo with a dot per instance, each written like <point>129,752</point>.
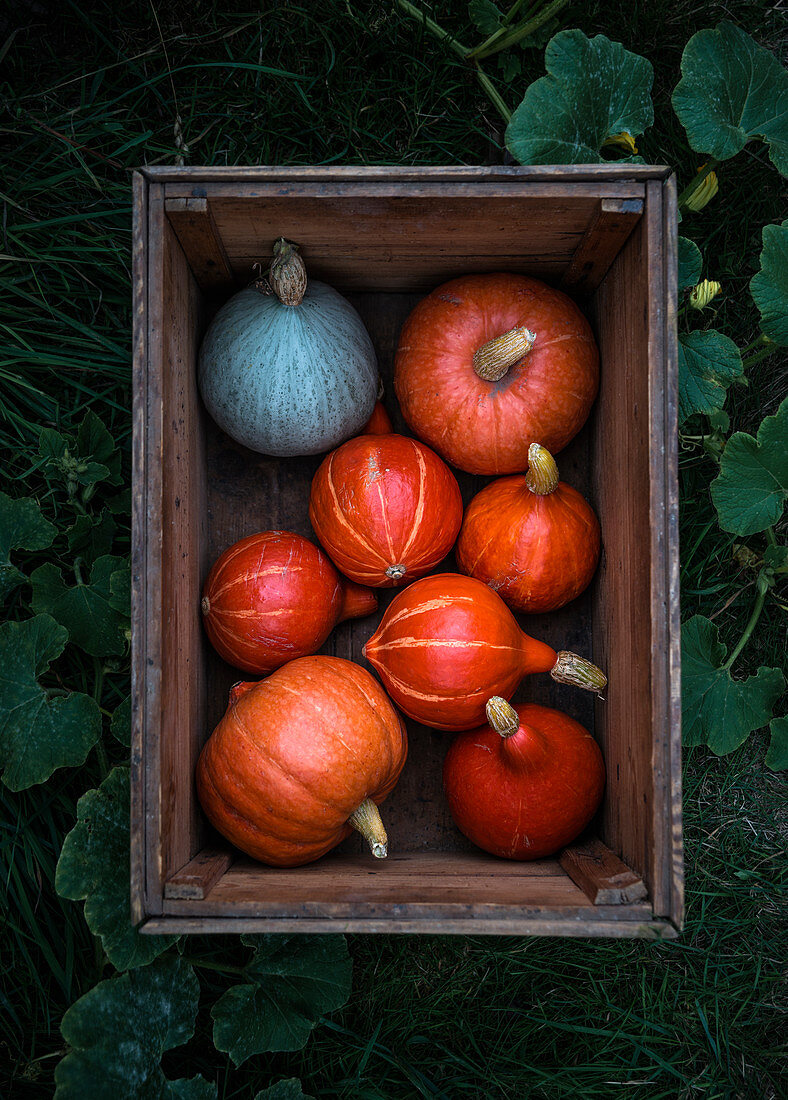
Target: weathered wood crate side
<point>185,249</point>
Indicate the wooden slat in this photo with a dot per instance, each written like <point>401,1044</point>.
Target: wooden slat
<point>601,875</point>
<point>634,927</point>
<point>195,228</point>
<point>612,223</point>
<point>200,875</point>
<point>396,174</point>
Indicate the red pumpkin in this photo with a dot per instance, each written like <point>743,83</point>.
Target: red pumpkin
<point>379,423</point>
<point>300,759</point>
<point>275,596</point>
<point>448,642</point>
<point>526,784</point>
<point>488,364</point>
<point>533,538</point>
<point>386,509</point>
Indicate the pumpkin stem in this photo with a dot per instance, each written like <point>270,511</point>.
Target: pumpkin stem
<point>492,360</point>
<point>542,476</point>
<point>357,601</point>
<point>368,822</point>
<point>571,669</point>
<point>396,572</point>
<point>502,716</point>
<point>287,273</point>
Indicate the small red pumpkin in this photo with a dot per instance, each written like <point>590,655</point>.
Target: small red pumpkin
<point>386,509</point>
<point>533,539</point>
<point>448,642</point>
<point>275,596</point>
<point>301,759</point>
<point>488,364</point>
<point>526,784</point>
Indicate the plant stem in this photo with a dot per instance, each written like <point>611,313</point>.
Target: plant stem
<point>507,19</point>
<point>764,353</point>
<point>493,94</point>
<point>758,342</point>
<point>434,28</point>
<point>756,614</point>
<point>215,966</point>
<point>695,183</point>
<point>522,30</point>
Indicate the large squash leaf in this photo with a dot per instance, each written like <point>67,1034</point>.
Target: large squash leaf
<point>92,613</point>
<point>717,710</point>
<point>594,89</point>
<point>777,753</point>
<point>289,1089</point>
<point>752,485</point>
<point>690,263</point>
<point>293,981</point>
<point>708,362</point>
<point>39,732</point>
<point>119,1031</point>
<point>22,527</point>
<point>732,90</point>
<point>769,287</point>
<point>94,865</point>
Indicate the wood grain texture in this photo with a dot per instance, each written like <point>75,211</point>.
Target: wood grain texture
<point>510,925</point>
<point>395,174</point>
<point>195,228</point>
<point>611,224</point>
<point>601,875</point>
<point>200,875</point>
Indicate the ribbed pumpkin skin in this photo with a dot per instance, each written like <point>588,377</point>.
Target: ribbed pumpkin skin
<point>295,755</point>
<point>486,427</point>
<point>384,501</point>
<point>288,380</point>
<point>526,796</point>
<point>275,596</point>
<point>445,645</point>
<point>537,552</point>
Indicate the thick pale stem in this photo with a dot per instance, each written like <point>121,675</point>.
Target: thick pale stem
<point>502,716</point>
<point>205,605</point>
<point>542,476</point>
<point>396,572</point>
<point>492,360</point>
<point>571,669</point>
<point>287,274</point>
<point>368,822</point>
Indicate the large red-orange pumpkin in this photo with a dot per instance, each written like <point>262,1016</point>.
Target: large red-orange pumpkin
<point>527,783</point>
<point>275,596</point>
<point>386,509</point>
<point>532,538</point>
<point>300,759</point>
<point>488,364</point>
<point>447,643</point>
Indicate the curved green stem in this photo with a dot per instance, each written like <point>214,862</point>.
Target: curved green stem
<point>764,353</point>
<point>492,92</point>
<point>507,19</point>
<point>521,31</point>
<point>434,28</point>
<point>756,614</point>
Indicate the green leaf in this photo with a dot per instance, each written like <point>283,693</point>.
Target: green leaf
<point>119,1031</point>
<point>120,725</point>
<point>510,65</point>
<point>777,753</point>
<point>752,485</point>
<point>39,733</point>
<point>732,90</point>
<point>120,591</point>
<point>289,1089</point>
<point>716,710</point>
<point>86,610</point>
<point>690,263</point>
<point>708,363</point>
<point>91,537</point>
<point>94,866</point>
<point>86,460</point>
<point>769,287</point>
<point>294,981</point>
<point>595,88</point>
<point>485,16</point>
<point>95,442</point>
<point>22,527</point>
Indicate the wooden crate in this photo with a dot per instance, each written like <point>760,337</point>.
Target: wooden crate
<point>385,236</point>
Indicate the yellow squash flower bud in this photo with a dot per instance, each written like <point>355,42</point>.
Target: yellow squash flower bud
<point>623,141</point>
<point>702,294</point>
<point>705,192</point>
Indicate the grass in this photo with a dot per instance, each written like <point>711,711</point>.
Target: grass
<point>88,93</point>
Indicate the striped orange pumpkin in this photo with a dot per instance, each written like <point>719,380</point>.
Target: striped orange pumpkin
<point>386,509</point>
<point>379,423</point>
<point>275,596</point>
<point>448,643</point>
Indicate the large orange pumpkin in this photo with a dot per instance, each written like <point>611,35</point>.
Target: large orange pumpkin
<point>488,364</point>
<point>386,509</point>
<point>275,596</point>
<point>447,643</point>
<point>533,539</point>
<point>526,784</point>
<point>300,759</point>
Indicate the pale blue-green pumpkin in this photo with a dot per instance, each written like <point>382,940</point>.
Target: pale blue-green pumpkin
<point>290,372</point>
